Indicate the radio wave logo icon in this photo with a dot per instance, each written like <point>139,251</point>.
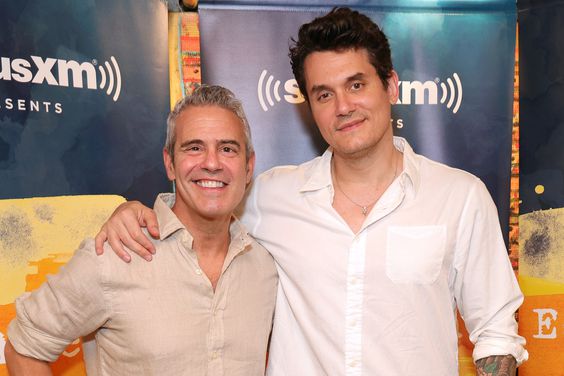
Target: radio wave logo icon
<point>112,74</point>
<point>454,93</point>
<point>269,90</point>
<point>269,87</point>
<point>451,92</point>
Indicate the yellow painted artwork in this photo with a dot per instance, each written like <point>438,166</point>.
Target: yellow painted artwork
<point>37,237</point>
<point>541,277</point>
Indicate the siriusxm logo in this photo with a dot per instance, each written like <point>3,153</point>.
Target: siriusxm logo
<point>59,72</point>
<point>429,90</point>
<point>410,92</point>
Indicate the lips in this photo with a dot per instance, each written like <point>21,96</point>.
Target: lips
<point>350,125</point>
<point>210,183</point>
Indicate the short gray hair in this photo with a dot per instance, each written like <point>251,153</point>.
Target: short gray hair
<point>208,95</point>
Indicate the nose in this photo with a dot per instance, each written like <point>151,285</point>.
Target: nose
<point>211,160</point>
<point>345,105</point>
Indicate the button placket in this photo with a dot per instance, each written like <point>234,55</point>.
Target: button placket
<point>354,303</point>
<point>217,330</point>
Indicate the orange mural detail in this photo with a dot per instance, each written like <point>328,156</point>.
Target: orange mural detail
<point>465,347</point>
<point>542,323</point>
<point>38,236</point>
<point>68,363</point>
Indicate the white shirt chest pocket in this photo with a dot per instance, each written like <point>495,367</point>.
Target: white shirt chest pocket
<point>414,254</point>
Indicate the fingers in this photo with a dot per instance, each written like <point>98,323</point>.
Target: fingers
<point>123,231</point>
<point>99,240</point>
<point>150,221</point>
<point>139,243</point>
<point>119,249</point>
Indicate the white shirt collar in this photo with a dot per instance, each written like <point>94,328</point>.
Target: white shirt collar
<point>321,172</point>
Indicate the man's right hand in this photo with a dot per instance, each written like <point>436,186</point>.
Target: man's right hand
<point>123,229</point>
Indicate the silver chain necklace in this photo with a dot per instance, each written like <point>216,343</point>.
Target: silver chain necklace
<point>364,208</point>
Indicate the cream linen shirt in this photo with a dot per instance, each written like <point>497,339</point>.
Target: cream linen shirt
<point>157,318</point>
<point>383,301</point>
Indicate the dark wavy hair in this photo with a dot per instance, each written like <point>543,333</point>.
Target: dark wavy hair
<point>339,30</point>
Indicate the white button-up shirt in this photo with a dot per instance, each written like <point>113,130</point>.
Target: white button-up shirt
<point>383,301</point>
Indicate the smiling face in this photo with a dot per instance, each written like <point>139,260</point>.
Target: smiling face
<point>210,165</point>
<point>349,103</point>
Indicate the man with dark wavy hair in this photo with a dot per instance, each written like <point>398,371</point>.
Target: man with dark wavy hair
<point>376,246</point>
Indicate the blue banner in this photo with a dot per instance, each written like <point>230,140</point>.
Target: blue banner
<point>83,98</point>
<point>541,103</point>
<point>455,63</point>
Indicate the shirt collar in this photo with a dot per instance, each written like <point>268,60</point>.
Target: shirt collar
<point>240,238</point>
<point>169,223</point>
<point>321,175</point>
<point>410,174</point>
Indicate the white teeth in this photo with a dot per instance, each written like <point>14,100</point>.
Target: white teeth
<point>210,183</point>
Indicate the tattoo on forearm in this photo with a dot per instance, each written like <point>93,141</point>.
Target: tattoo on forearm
<point>498,365</point>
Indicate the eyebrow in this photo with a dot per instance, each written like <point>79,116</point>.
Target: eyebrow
<point>322,87</point>
<point>230,142</point>
<point>197,141</point>
<point>356,77</point>
<point>319,88</point>
<point>191,142</point>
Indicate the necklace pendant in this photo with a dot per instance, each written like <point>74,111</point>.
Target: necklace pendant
<point>364,210</point>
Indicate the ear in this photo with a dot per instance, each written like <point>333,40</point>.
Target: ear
<point>393,88</point>
<point>250,167</point>
<point>169,166</point>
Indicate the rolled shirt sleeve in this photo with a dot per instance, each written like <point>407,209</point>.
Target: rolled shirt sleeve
<point>486,290</point>
<point>67,306</point>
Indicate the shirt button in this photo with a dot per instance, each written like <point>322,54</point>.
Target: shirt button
<point>199,271</point>
<point>214,355</point>
<point>353,363</point>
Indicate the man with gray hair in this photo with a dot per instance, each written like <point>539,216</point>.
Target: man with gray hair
<point>206,303</point>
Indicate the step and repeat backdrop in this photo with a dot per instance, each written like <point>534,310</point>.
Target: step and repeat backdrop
<point>84,96</point>
<point>83,105</point>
